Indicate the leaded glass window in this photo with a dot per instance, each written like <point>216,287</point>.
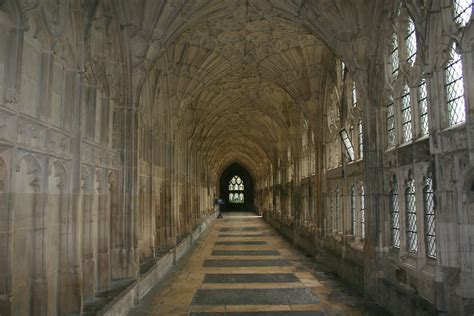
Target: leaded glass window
<point>406,115</point>
<point>353,210</point>
<point>394,58</point>
<point>462,11</point>
<point>391,132</point>
<point>429,204</point>
<point>412,231</point>
<point>455,89</point>
<point>354,94</point>
<point>361,140</point>
<point>346,141</point>
<point>410,41</point>
<point>423,106</point>
<point>362,212</point>
<point>394,213</point>
<point>236,188</point>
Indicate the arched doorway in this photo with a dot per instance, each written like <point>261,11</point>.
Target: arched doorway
<point>236,188</point>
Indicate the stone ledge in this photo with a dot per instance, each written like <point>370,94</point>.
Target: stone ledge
<point>127,299</point>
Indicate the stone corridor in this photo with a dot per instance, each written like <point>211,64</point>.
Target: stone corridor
<point>242,266</point>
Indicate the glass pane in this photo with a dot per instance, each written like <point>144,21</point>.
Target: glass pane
<point>462,11</point>
<point>410,41</point>
<point>394,55</point>
<point>395,213</point>
<point>406,115</point>
<point>430,230</point>
<point>423,105</point>
<point>412,231</point>
<point>354,94</point>
<point>455,89</point>
<point>390,125</point>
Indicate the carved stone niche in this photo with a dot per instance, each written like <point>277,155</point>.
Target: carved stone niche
<point>31,134</point>
<point>7,127</point>
<point>58,143</point>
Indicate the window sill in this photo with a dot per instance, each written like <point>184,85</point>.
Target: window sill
<point>453,128</point>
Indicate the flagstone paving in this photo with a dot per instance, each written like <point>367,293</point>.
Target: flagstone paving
<point>257,274</point>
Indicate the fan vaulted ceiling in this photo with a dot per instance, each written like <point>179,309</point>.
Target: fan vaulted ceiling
<point>236,78</point>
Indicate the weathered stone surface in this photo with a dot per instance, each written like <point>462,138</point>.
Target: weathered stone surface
<point>353,120</point>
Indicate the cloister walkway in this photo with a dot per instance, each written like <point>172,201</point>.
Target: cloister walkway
<point>242,266</point>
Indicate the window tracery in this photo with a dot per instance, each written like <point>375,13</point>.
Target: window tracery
<point>236,188</point>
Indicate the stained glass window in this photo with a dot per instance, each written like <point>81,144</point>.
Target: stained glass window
<point>236,186</point>
<point>406,115</point>
<point>410,41</point>
<point>429,208</point>
<point>423,106</point>
<point>362,212</point>
<point>455,89</point>
<point>412,231</point>
<point>394,213</point>
<point>391,136</point>
<point>394,55</point>
<point>462,11</point>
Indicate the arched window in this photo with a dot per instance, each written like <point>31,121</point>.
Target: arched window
<point>423,107</point>
<point>412,231</point>
<point>394,59</point>
<point>394,213</point>
<point>429,205</point>
<point>391,132</point>
<point>462,11</point>
<point>407,133</point>
<point>362,212</point>
<point>410,42</point>
<point>455,89</point>
<point>236,188</point>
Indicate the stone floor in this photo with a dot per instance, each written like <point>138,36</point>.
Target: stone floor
<point>244,267</point>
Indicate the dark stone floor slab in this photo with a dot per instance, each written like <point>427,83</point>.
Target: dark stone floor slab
<point>241,243</point>
<point>282,313</point>
<point>250,278</point>
<point>241,235</point>
<point>247,263</point>
<point>239,229</point>
<point>290,296</point>
<point>245,253</point>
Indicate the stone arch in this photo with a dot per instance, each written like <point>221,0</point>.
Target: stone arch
<point>226,175</point>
